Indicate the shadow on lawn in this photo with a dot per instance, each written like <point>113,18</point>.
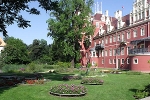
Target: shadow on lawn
<point>54,76</point>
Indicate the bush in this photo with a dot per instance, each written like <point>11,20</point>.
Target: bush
<point>78,65</point>
<point>68,89</point>
<point>10,68</point>
<point>91,81</point>
<point>33,68</point>
<point>71,77</point>
<point>133,73</point>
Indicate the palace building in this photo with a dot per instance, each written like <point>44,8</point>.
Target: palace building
<point>121,42</point>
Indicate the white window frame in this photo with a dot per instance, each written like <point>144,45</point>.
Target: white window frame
<point>128,61</point>
<point>93,52</point>
<point>114,61</point>
<point>134,33</point>
<point>102,53</point>
<point>122,37</point>
<point>106,53</point>
<point>128,35</point>
<point>122,50</point>
<point>134,60</point>
<point>114,38</point>
<point>118,37</point>
<point>110,52</point>
<point>114,52</point>
<point>122,61</point>
<point>110,61</point>
<point>142,32</point>
<point>110,39</point>
<point>93,63</point>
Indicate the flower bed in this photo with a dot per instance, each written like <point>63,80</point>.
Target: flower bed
<point>68,90</point>
<point>71,77</point>
<point>33,81</point>
<point>92,81</point>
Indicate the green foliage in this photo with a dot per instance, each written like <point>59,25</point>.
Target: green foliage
<point>67,25</point>
<point>78,65</point>
<point>140,94</point>
<point>133,73</point>
<point>89,65</point>
<point>11,13</point>
<point>64,64</point>
<point>33,68</point>
<point>11,68</point>
<point>15,52</point>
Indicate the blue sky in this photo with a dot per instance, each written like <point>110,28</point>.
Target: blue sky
<point>38,29</point>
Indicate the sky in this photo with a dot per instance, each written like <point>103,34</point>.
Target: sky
<point>38,29</point>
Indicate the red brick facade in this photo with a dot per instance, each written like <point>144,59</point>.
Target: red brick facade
<point>121,42</point>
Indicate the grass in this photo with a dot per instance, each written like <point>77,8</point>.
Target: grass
<point>115,87</point>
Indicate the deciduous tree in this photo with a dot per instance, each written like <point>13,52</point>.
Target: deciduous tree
<point>69,21</point>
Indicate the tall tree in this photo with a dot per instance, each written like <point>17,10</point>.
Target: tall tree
<point>68,22</point>
<point>15,52</point>
<point>10,12</point>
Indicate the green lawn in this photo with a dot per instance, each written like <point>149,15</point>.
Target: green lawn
<point>115,87</point>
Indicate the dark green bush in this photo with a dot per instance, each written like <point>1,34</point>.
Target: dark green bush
<point>133,73</point>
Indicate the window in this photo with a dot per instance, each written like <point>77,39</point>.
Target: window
<point>93,54</point>
<point>118,51</point>
<point>110,39</point>
<point>105,52</point>
<point>143,15</point>
<point>139,15</point>
<point>93,63</point>
<point>99,53</point>
<point>114,52</point>
<point>102,53</point>
<point>128,61</point>
<point>136,17</point>
<point>102,61</point>
<point>122,61</point>
<point>110,61</point>
<point>128,48</point>
<point>110,52</point>
<point>114,38</point>
<point>119,37</point>
<point>135,61</point>
<point>97,24</point>
<point>122,50</point>
<point>114,61</point>
<point>134,33</point>
<point>128,35</point>
<point>142,32</point>
<point>122,37</point>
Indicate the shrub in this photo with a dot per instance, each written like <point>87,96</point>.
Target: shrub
<point>133,73</point>
<point>139,94</point>
<point>68,89</point>
<point>33,68</point>
<point>10,68</point>
<point>71,77</point>
<point>91,81</point>
<point>78,65</point>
